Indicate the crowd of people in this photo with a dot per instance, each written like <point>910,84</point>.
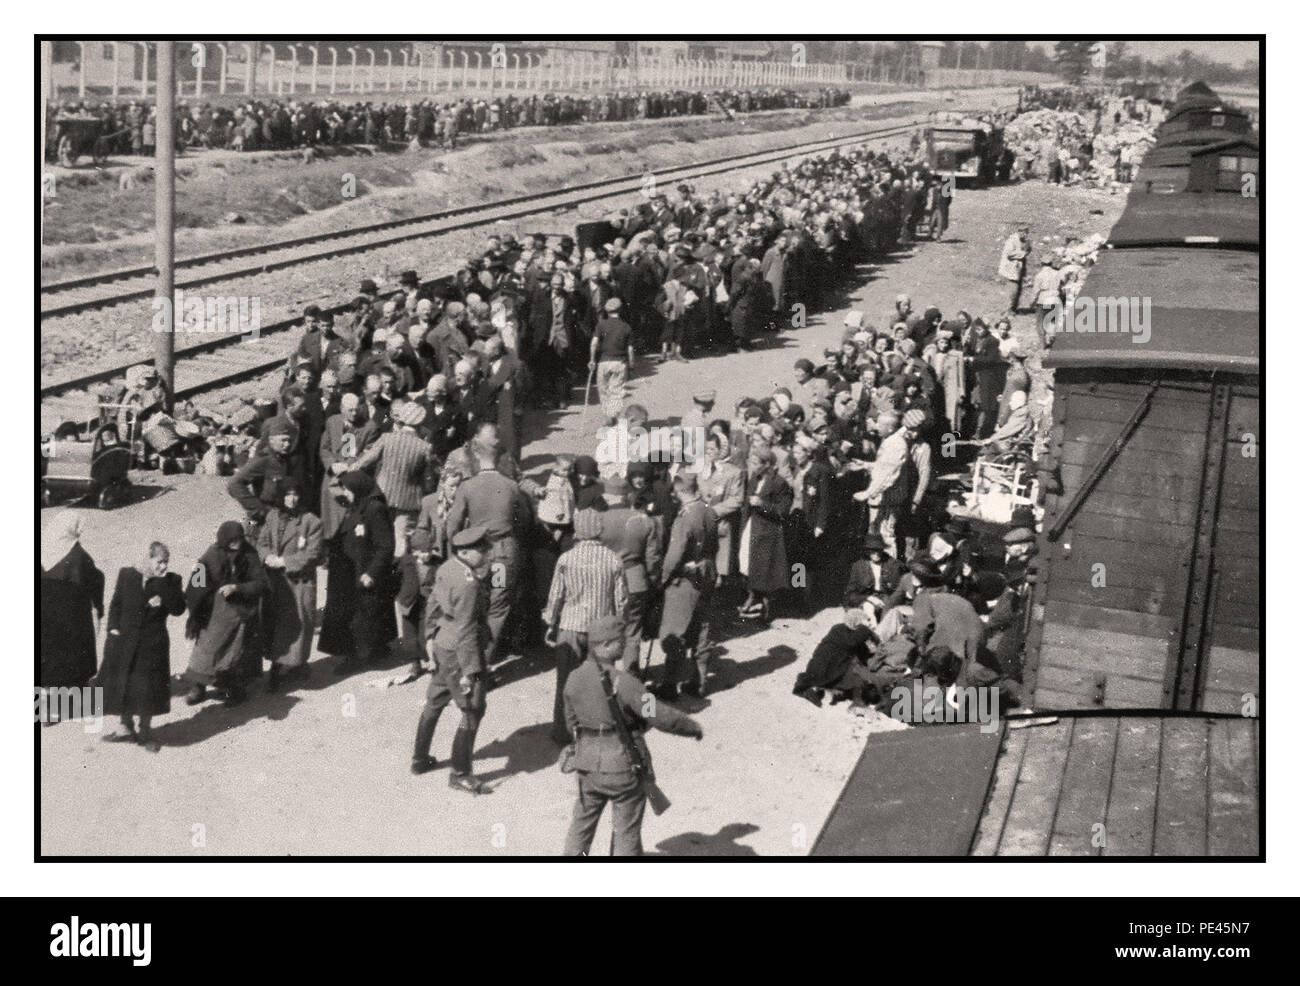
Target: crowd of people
<point>393,461</point>
<point>275,124</point>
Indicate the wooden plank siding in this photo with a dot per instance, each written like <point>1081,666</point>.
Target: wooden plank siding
<point>1109,605</point>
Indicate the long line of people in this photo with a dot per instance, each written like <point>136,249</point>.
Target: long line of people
<point>276,124</point>
<point>394,460</point>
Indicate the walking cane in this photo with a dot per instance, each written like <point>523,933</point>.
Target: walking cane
<point>586,394</point>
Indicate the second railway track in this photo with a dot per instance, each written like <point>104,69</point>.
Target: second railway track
<point>76,295</point>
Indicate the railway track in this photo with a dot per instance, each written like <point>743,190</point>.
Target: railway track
<point>75,295</point>
<point>231,359</point>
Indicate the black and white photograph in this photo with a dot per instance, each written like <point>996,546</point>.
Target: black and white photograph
<point>501,448</point>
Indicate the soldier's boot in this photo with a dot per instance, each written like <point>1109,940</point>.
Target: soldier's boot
<point>674,659</point>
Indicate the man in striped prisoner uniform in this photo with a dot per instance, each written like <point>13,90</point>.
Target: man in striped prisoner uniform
<point>588,583</point>
<point>406,463</point>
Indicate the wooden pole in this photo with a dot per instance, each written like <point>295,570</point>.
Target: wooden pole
<point>164,215</point>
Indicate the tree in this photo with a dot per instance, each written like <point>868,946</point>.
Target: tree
<point>1073,58</point>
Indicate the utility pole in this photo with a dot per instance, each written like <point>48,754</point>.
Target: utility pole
<point>165,217</point>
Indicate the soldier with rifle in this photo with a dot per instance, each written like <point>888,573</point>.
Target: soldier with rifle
<point>607,711</point>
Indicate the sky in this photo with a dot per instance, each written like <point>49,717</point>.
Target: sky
<point>1232,52</point>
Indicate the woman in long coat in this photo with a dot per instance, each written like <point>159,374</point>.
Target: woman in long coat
<point>746,302</point>
<point>72,602</point>
<point>224,599</point>
<point>768,499</point>
<point>136,673</point>
<point>359,616</point>
<point>289,544</point>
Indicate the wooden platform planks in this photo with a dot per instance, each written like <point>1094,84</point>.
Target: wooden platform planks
<point>989,834</point>
<point>1131,810</point>
<point>1177,786</point>
<point>1032,815</point>
<point>1181,798</point>
<point>1234,788</point>
<point>1079,829</point>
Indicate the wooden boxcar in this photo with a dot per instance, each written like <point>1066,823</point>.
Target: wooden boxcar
<point>1150,590</point>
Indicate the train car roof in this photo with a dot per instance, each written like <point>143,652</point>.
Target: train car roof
<point>1204,312</point>
<point>1201,135</point>
<point>1200,218</point>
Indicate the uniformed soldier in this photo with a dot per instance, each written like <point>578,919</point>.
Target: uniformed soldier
<point>456,634</point>
<point>689,574</point>
<point>605,769</point>
<point>490,500</point>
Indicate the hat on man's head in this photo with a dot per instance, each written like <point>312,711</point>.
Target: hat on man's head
<point>470,537</point>
<point>587,525</point>
<point>872,542</point>
<point>409,279</point>
<point>281,425</point>
<point>585,465</point>
<point>705,397</point>
<point>1018,535</point>
<point>613,305</point>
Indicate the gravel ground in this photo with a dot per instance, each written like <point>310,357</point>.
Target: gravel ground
<point>322,769</point>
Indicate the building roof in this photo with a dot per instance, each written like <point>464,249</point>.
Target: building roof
<point>1204,311</point>
<point>1182,217</point>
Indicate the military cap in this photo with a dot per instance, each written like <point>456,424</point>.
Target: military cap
<point>605,629</point>
<point>1018,535</point>
<point>470,537</point>
<point>705,397</point>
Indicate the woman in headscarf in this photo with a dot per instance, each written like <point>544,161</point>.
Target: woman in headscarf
<point>136,673</point>
<point>768,499</point>
<point>289,543</point>
<point>359,616</point>
<point>224,597</point>
<point>72,603</point>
